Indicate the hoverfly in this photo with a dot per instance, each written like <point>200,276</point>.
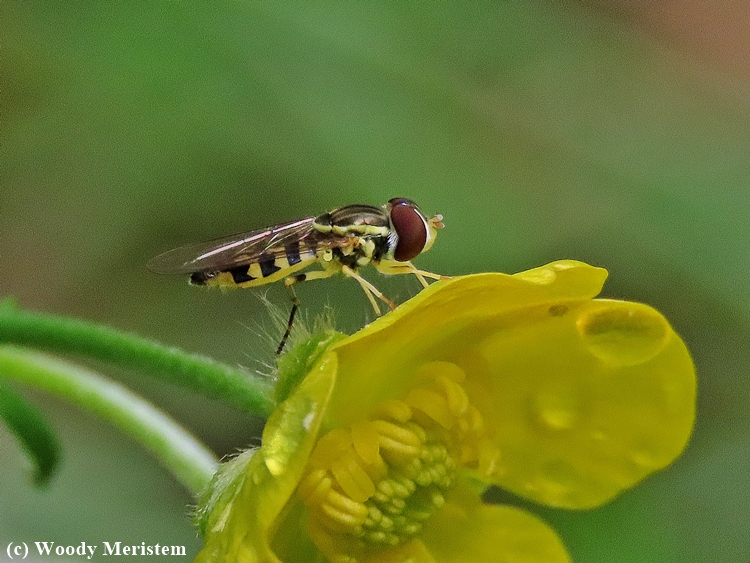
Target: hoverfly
<point>342,240</point>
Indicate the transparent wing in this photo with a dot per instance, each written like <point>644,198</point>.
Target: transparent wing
<point>240,249</point>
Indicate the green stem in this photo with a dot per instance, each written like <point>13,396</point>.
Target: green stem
<point>244,390</point>
<point>190,462</point>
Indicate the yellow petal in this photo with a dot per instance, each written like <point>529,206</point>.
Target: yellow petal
<point>467,531</point>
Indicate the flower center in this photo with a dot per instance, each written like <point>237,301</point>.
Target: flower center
<point>377,482</point>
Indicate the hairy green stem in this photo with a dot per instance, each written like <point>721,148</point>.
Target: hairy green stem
<point>188,460</point>
<point>237,386</point>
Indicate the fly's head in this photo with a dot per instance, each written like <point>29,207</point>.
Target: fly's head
<point>414,232</point>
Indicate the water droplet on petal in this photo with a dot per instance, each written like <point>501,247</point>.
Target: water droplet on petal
<point>645,458</point>
<point>556,482</point>
<point>624,333</point>
<point>558,410</point>
<point>598,435</point>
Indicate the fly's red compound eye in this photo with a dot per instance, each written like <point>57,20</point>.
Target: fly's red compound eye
<point>410,227</point>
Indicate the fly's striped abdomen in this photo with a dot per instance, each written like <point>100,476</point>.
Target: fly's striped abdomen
<point>271,266</point>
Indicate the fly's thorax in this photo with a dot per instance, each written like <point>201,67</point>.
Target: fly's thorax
<point>360,251</point>
<point>353,220</point>
<point>364,235</point>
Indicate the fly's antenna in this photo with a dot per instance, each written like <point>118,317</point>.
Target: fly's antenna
<point>436,221</point>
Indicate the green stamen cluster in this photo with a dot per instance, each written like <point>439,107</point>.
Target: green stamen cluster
<point>409,496</point>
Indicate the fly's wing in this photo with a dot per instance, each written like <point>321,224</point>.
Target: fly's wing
<point>237,250</point>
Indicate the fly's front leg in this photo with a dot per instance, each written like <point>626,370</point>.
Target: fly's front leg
<point>288,283</point>
<point>369,289</point>
<point>391,268</point>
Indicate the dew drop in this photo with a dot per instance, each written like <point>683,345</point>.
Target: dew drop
<point>645,459</point>
<point>599,436</point>
<point>556,481</point>
<point>558,410</point>
<point>623,333</point>
<point>530,487</point>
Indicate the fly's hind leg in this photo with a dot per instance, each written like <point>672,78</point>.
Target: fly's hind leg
<point>369,289</point>
<point>288,283</point>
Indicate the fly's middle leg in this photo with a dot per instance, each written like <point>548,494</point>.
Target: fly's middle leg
<point>288,283</point>
<point>370,290</point>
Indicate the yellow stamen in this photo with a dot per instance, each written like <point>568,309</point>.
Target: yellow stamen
<point>343,510</point>
<point>396,433</point>
<point>393,409</point>
<point>431,404</point>
<point>458,400</point>
<point>314,488</point>
<point>352,478</point>
<point>365,441</point>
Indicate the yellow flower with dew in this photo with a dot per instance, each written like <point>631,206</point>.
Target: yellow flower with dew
<point>380,452</point>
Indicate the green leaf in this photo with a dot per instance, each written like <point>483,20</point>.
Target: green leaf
<point>33,432</point>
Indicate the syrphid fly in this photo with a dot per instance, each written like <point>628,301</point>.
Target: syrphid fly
<point>342,240</point>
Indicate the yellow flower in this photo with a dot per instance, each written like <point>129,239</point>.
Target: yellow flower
<point>381,451</point>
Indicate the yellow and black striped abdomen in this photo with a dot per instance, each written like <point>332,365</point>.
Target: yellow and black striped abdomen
<point>270,266</point>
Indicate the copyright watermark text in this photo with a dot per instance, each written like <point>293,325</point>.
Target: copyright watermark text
<point>21,550</point>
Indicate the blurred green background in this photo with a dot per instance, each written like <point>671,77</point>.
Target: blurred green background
<point>611,132</point>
